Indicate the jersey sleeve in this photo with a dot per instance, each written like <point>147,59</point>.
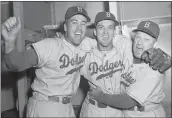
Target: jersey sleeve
<point>44,49</point>
<point>142,89</point>
<point>19,61</point>
<point>88,44</point>
<point>124,47</point>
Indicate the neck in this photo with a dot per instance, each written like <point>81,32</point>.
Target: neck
<point>68,40</point>
<point>104,48</point>
<point>137,61</point>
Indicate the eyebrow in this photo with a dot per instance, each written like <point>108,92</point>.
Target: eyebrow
<point>111,25</point>
<point>99,25</point>
<point>84,21</point>
<point>147,38</point>
<point>77,20</point>
<point>73,20</point>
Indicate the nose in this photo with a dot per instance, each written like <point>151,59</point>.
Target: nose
<point>79,26</point>
<point>139,41</point>
<point>105,31</point>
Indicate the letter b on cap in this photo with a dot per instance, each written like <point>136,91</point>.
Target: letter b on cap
<point>80,9</point>
<point>147,24</point>
<point>107,14</point>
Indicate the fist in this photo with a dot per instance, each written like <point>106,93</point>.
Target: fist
<point>10,28</point>
<point>157,59</point>
<point>95,92</point>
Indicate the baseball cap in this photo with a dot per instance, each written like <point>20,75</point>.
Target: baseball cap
<point>71,11</point>
<point>105,16</point>
<point>148,27</point>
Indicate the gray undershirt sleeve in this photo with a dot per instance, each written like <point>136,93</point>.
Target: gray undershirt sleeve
<point>19,61</point>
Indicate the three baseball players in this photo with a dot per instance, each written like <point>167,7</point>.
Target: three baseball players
<point>58,62</point>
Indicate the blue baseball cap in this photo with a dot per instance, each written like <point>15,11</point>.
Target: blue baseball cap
<point>148,27</point>
<point>71,11</point>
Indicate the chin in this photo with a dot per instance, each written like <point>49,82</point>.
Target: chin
<point>78,41</point>
<point>77,44</point>
<point>137,55</point>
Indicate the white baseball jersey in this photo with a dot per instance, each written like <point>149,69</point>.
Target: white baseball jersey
<point>58,74</point>
<point>104,69</point>
<point>59,63</point>
<point>146,89</point>
<point>124,47</point>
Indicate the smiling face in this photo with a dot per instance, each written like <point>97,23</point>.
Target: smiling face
<point>142,42</point>
<point>105,32</point>
<point>75,28</point>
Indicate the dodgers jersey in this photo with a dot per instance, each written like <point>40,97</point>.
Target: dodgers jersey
<point>59,63</point>
<point>147,89</point>
<point>104,69</point>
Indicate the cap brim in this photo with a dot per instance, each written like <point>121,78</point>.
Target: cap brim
<point>143,30</point>
<point>88,18</point>
<point>116,22</point>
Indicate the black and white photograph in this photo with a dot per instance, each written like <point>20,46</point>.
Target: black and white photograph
<point>82,59</point>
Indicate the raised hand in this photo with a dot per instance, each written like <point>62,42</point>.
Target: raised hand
<point>157,59</point>
<point>95,92</point>
<point>10,29</point>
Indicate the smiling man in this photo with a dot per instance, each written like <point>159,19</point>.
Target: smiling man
<point>58,61</point>
<point>103,67</point>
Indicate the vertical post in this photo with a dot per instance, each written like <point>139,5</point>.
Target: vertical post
<point>114,9</point>
<point>22,76</point>
<point>52,12</point>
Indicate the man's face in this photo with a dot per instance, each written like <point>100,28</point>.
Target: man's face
<point>142,42</point>
<point>75,28</point>
<point>105,32</point>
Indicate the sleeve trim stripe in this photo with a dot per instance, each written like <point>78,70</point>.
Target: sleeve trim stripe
<point>36,50</point>
<point>135,98</point>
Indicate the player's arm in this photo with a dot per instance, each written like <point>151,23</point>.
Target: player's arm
<point>15,60</point>
<point>121,101</point>
<point>84,70</point>
<point>124,47</point>
<point>19,61</point>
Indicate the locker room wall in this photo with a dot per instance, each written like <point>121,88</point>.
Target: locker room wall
<point>145,9</point>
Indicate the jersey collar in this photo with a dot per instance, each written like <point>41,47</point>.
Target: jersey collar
<point>102,55</point>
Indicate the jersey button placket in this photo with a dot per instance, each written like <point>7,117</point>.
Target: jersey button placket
<point>75,65</point>
<point>107,77</point>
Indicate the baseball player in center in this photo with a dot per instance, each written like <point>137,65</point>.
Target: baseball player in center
<point>103,67</point>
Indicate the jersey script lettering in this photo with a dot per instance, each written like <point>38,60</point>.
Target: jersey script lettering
<point>94,68</point>
<point>66,61</point>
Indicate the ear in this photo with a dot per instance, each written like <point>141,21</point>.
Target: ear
<point>65,27</point>
<point>94,31</point>
<point>155,44</point>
